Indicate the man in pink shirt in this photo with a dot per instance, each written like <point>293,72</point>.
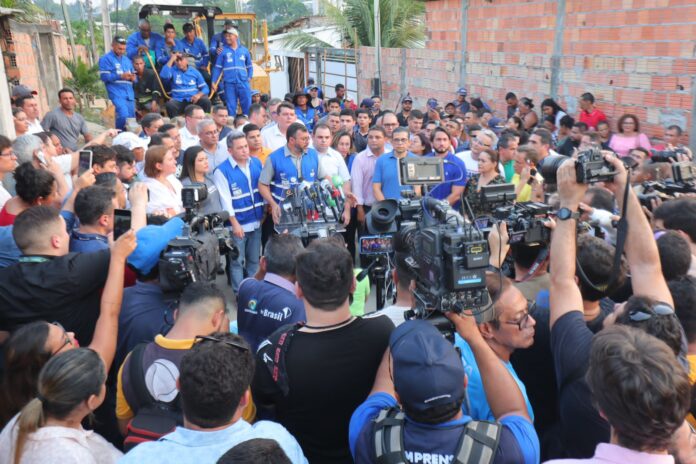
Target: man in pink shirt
<point>364,168</point>
<point>588,113</point>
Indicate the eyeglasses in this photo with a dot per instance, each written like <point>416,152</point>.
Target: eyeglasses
<point>66,338</point>
<point>209,338</point>
<point>487,145</point>
<point>523,322</point>
<point>9,154</point>
<point>643,314</point>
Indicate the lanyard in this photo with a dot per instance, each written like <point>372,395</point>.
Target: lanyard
<point>33,259</point>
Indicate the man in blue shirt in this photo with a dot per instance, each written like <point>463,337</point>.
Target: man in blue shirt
<point>214,378</point>
<point>237,67</point>
<point>265,305</point>
<point>188,86</point>
<point>217,42</point>
<point>144,42</point>
<point>118,75</point>
<point>431,385</point>
<point>455,171</point>
<point>460,103</point>
<point>385,181</point>
<point>195,47</point>
<point>171,45</point>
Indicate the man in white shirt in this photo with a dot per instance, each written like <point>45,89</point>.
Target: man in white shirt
<point>258,115</point>
<point>213,147</point>
<point>30,106</point>
<point>193,114</point>
<point>8,163</point>
<point>331,163</point>
<point>274,136</point>
<point>484,140</point>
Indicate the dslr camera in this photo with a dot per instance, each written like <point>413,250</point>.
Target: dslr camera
<point>664,156</point>
<point>525,222</point>
<point>590,167</point>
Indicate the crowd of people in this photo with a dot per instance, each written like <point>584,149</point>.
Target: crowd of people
<point>588,353</point>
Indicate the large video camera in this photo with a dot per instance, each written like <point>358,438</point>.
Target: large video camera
<point>195,256</point>
<point>312,210</point>
<point>590,167</point>
<point>664,156</point>
<point>683,181</point>
<point>526,222</point>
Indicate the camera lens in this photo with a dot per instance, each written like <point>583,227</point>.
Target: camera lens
<point>549,166</point>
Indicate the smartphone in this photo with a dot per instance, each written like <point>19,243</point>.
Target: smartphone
<point>85,162</point>
<point>122,222</point>
<point>41,157</point>
<point>375,244</point>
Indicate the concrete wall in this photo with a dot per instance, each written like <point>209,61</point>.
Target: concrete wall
<point>635,56</point>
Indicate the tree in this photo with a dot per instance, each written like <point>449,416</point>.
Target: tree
<point>85,81</point>
<point>81,34</point>
<point>278,12</point>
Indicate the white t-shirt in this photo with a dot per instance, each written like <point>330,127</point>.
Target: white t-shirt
<point>188,139</point>
<point>395,313</point>
<point>272,138</point>
<point>35,127</point>
<point>4,195</point>
<point>162,198</point>
<point>54,444</point>
<point>472,164</point>
<point>331,164</point>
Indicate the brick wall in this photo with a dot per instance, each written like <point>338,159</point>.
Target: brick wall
<point>635,56</point>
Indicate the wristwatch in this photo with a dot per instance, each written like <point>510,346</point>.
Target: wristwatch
<point>564,214</point>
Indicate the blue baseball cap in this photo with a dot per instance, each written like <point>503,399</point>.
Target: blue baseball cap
<point>461,91</point>
<point>255,92</point>
<point>367,103</point>
<point>428,371</point>
<point>152,240</point>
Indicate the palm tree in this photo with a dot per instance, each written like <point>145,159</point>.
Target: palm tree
<point>85,81</point>
<point>402,24</point>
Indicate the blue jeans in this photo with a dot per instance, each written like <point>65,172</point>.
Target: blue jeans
<point>247,264</point>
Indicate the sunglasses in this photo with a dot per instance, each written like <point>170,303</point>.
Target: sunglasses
<point>643,314</point>
<point>210,338</point>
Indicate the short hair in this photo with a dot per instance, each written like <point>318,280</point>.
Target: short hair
<point>361,111</point>
<point>251,127</point>
<point>491,135</point>
<point>400,130</point>
<point>348,112</point>
<point>123,155</point>
<point>339,86</point>
<point>32,184</point>
<point>510,95</point>
<point>281,254</point>
<point>165,28</point>
<point>187,27</point>
<point>154,155</point>
<point>149,119</point>
<point>378,129</point>
<point>22,100</point>
<point>595,138</point>
<point>93,202</point>
<point>294,128</point>
<point>601,198</point>
<point>681,215</point>
<point>544,135</point>
<point>506,138</point>
<point>255,451</point>
<point>157,139</point>
<point>435,131</point>
<point>587,96</point>
<point>416,114</point>
<point>204,123</point>
<point>139,57</point>
<point>530,153</point>
<point>639,386</point>
<point>674,127</point>
<point>101,154</point>
<point>188,111</point>
<point>324,272</point>
<point>166,128</point>
<point>24,147</point>
<point>255,108</point>
<point>332,100</point>
<point>683,290</point>
<point>196,293</point>
<point>5,143</point>
<point>665,328</point>
<point>213,378</point>
<point>234,136</point>
<point>596,257</point>
<point>675,255</point>
<point>619,124</point>
<point>32,224</point>
<point>65,90</point>
<point>320,125</point>
<point>238,119</point>
<point>286,105</point>
<point>217,108</point>
<point>567,122</point>
<point>526,255</point>
<point>581,125</point>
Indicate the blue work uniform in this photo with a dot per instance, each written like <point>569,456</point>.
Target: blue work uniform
<point>285,173</point>
<point>120,91</point>
<point>238,69</point>
<point>135,40</point>
<point>217,41</point>
<point>197,49</point>
<point>184,84</point>
<point>164,53</point>
<point>307,117</point>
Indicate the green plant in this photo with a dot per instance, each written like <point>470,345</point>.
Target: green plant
<point>85,81</point>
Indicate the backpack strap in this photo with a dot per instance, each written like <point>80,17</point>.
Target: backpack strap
<point>272,352</point>
<point>389,437</point>
<point>479,443</point>
<point>137,378</point>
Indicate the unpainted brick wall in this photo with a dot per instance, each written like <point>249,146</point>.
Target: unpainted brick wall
<point>636,56</point>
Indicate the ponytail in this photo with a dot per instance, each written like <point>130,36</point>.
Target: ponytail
<point>30,419</point>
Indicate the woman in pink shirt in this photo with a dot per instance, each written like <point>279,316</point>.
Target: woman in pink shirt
<point>628,136</point>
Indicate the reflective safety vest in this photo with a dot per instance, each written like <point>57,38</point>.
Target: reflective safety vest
<point>247,203</point>
<point>285,173</point>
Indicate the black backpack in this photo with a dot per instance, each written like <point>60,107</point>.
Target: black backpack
<point>477,445</point>
<point>153,418</point>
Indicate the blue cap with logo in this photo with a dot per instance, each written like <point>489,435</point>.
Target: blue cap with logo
<point>428,371</point>
<point>367,103</point>
<point>461,91</point>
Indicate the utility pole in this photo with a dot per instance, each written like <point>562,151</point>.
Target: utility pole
<point>90,23</point>
<point>106,23</point>
<point>378,49</point>
<point>66,18</point>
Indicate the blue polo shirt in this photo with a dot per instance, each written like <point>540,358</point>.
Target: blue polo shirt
<point>387,174</point>
<point>87,243</point>
<point>454,169</point>
<point>424,443</point>
<point>265,305</point>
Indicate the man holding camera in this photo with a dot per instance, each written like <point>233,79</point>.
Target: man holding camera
<point>187,85</point>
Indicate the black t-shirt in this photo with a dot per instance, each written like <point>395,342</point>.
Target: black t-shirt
<point>65,289</point>
<point>567,147</point>
<point>582,428</point>
<point>329,375</point>
<point>403,120</point>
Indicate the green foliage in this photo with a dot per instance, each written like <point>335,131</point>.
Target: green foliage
<point>299,40</point>
<point>85,81</point>
<point>82,37</point>
<point>401,21</point>
<point>278,12</point>
<point>30,11</point>
<point>128,17</point>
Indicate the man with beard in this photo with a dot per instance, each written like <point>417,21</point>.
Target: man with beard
<point>455,171</point>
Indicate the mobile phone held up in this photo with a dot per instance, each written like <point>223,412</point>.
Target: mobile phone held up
<point>122,222</point>
<point>85,162</point>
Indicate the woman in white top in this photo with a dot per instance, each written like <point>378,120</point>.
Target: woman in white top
<point>164,187</point>
<point>550,108</point>
<point>49,428</point>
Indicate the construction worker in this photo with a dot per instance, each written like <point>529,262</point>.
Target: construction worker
<point>118,75</point>
<point>237,67</point>
<point>218,42</point>
<point>187,84</point>
<point>144,42</point>
<point>197,49</point>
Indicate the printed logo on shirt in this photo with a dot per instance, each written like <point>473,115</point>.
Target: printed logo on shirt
<point>251,307</point>
<point>429,458</point>
<point>276,316</point>
<point>243,58</point>
<point>192,82</point>
<point>178,80</point>
<point>160,380</point>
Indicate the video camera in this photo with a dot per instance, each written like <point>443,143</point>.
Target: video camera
<point>664,156</point>
<point>195,256</point>
<point>683,181</point>
<point>312,210</point>
<point>525,222</point>
<point>590,167</point>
